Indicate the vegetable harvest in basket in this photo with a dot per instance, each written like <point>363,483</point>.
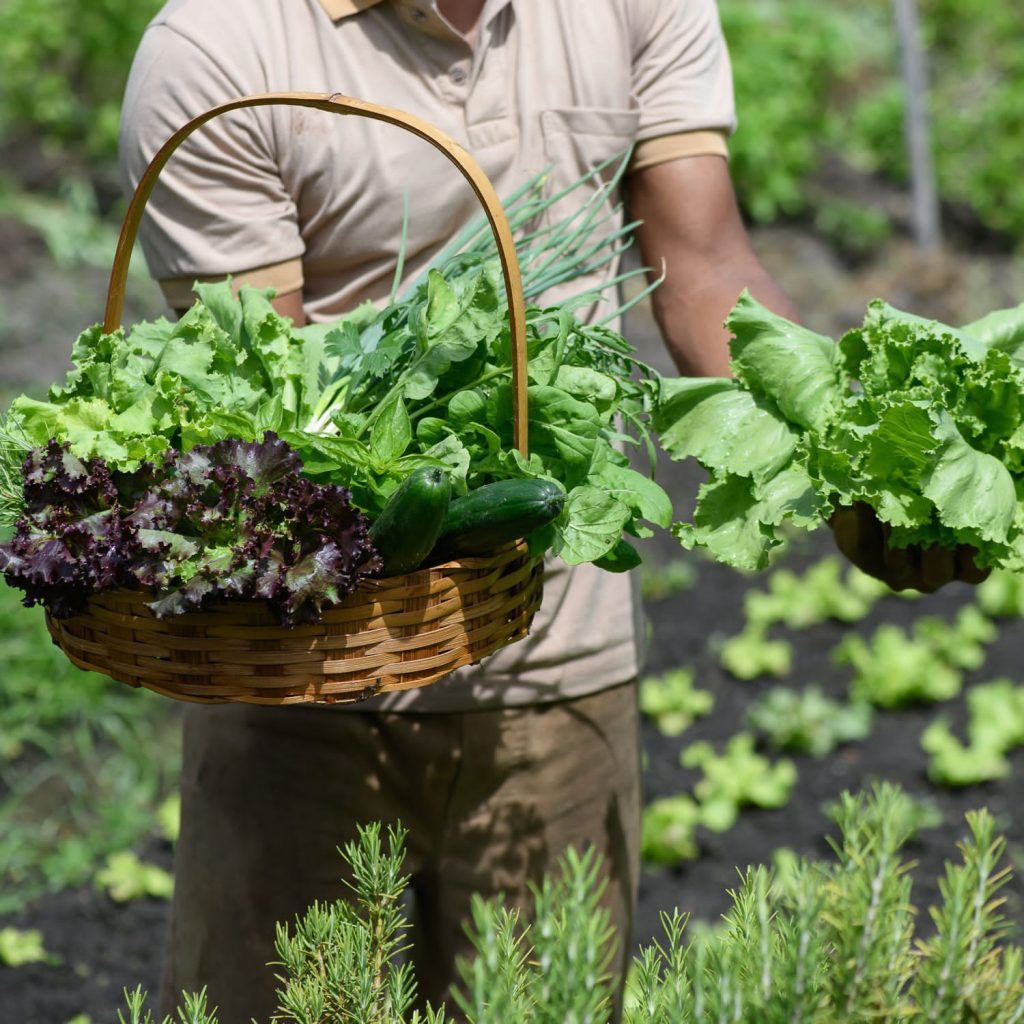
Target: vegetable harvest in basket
<point>229,454</point>
<point>921,421</point>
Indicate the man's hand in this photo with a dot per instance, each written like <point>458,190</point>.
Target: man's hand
<point>864,539</point>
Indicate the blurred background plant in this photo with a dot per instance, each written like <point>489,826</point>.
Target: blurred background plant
<point>819,96</point>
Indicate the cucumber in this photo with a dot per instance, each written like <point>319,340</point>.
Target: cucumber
<point>408,526</point>
<point>497,514</point>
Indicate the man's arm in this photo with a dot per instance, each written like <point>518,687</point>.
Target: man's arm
<point>691,222</point>
<point>289,305</point>
<point>692,226</point>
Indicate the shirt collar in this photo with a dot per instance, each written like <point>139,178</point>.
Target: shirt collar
<point>338,9</point>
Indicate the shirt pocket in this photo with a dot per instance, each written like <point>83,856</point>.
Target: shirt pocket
<point>578,139</point>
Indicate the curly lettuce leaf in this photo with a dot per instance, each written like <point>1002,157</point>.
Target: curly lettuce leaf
<point>921,421</point>
<point>231,520</point>
<point>800,371</point>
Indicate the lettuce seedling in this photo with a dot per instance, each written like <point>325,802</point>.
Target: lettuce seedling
<point>822,593</point>
<point>751,654</point>
<point>951,763</point>
<point>961,644</point>
<point>995,726</point>
<point>124,877</point>
<point>666,579</point>
<point>1001,596</point>
<point>669,830</point>
<point>735,778</point>
<point>672,700</point>
<point>808,722</point>
<point>894,669</point>
<point>20,946</point>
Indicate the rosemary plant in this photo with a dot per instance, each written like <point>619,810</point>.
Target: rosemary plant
<point>822,943</point>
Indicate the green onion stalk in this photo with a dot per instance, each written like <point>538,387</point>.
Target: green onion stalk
<point>550,254</point>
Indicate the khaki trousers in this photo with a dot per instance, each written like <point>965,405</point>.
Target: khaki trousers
<point>491,799</point>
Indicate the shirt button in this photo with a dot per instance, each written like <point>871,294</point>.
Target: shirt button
<point>457,75</point>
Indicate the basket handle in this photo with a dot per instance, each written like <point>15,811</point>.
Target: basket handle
<point>339,104</point>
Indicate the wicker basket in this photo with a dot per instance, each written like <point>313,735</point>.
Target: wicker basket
<point>389,634</point>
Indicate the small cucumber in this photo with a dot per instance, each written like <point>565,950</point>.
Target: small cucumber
<point>496,514</point>
<point>409,524</point>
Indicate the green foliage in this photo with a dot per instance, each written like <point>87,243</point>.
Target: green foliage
<point>169,817</point>
<point>811,78</point>
<point>995,727</point>
<point>71,225</point>
<point>788,56</point>
<point>814,942</point>
<point>339,960</point>
<point>855,229</point>
<point>568,948</point>
<point>963,968</point>
<point>84,761</point>
<point>871,891</point>
<point>672,700</point>
<point>125,877</point>
<point>736,778</point>
<point>962,643</point>
<point>13,450</point>
<point>1001,595</point>
<point>193,1009</point>
<point>368,399</point>
<point>820,594</point>
<point>977,81</point>
<point>751,654</point>
<point>65,69</point>
<point>893,669</point>
<point>808,722</point>
<point>669,830</point>
<point>951,763</point>
<point>19,947</point>
<point>919,421</point>
<point>664,579</point>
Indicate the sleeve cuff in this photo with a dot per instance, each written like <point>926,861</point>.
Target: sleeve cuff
<point>663,148</point>
<point>282,277</point>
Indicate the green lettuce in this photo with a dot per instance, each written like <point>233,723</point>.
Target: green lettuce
<point>922,421</point>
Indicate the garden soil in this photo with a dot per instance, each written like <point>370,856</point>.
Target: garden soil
<point>103,946</point>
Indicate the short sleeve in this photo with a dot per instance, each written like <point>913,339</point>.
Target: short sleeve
<point>220,205</point>
<point>682,78</point>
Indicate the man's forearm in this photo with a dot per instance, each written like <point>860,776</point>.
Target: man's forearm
<point>691,311</point>
<point>691,227</point>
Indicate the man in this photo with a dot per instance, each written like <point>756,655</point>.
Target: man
<point>497,769</point>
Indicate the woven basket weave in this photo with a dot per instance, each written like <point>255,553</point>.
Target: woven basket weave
<point>389,634</point>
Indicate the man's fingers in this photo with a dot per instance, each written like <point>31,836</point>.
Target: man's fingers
<point>938,567</point>
<point>903,566</point>
<point>966,568</point>
<point>865,541</point>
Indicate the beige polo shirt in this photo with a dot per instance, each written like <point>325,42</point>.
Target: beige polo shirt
<point>297,198</point>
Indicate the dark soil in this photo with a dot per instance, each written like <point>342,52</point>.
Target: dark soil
<point>104,947</point>
<point>685,629</point>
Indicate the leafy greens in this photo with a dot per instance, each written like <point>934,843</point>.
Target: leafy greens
<point>228,520</point>
<point>921,421</point>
